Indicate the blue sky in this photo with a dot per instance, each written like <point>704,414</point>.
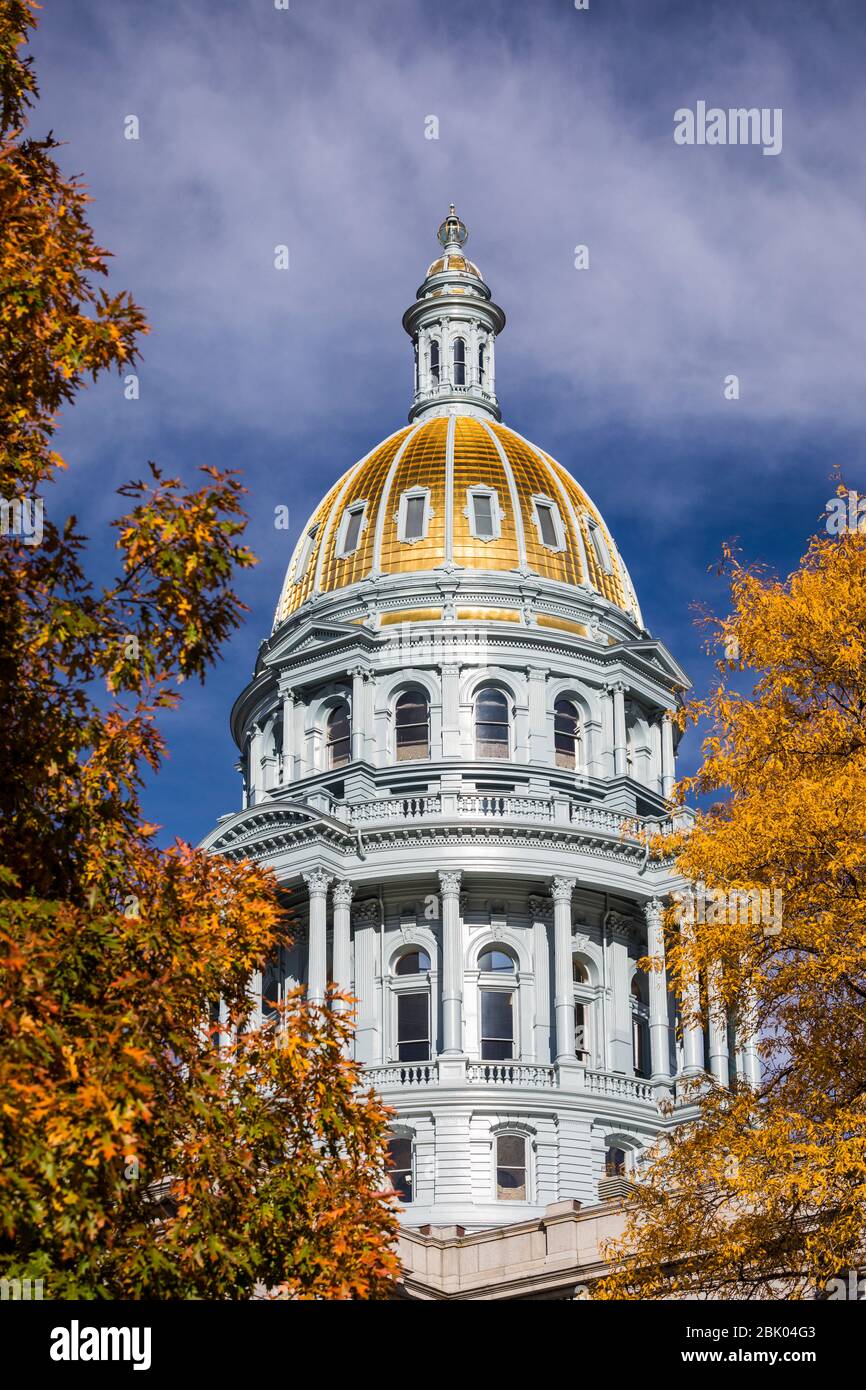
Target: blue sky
<point>306,127</point>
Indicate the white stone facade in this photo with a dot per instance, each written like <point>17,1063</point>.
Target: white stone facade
<point>466,860</point>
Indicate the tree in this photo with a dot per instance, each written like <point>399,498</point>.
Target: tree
<point>142,1152</point>
<point>764,1194</point>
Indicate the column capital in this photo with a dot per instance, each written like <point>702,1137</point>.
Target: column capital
<point>285,688</point>
<point>343,891</point>
<point>562,889</point>
<point>449,881</point>
<point>366,912</point>
<point>318,882</point>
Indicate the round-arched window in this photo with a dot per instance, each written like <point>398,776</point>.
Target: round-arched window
<point>494,959</point>
<point>491,723</point>
<point>412,963</point>
<point>412,723</point>
<point>434,361</point>
<point>459,362</point>
<point>566,730</point>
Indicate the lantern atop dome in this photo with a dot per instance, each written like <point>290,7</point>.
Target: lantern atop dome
<point>453,232</point>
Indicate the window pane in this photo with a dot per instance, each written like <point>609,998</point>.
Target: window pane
<point>482,505</point>
<point>497,1025</point>
<point>495,960</point>
<point>614,1163</point>
<point>411,1017</point>
<point>492,705</point>
<point>547,524</point>
<point>434,361</point>
<point>599,545</point>
<point>413,963</point>
<point>511,1168</point>
<point>415,507</point>
<point>400,1167</point>
<point>353,530</point>
<point>338,736</point>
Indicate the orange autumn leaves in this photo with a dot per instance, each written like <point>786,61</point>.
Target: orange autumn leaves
<point>764,1195</point>
<point>136,1157</point>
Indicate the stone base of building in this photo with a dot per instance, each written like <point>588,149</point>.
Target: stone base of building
<point>554,1258</point>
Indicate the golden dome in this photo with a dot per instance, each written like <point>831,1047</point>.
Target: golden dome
<point>538,520</point>
<point>453,262</point>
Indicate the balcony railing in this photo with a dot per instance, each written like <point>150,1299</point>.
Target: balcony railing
<point>530,1075</point>
<point>492,806</point>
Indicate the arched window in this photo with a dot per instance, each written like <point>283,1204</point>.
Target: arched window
<point>639,1029</point>
<point>412,722</point>
<point>400,1167</point>
<point>339,735</point>
<point>511,1168</point>
<point>491,724</point>
<point>459,362</point>
<point>434,361</point>
<point>582,1012</point>
<point>481,364</point>
<point>566,730</point>
<point>494,959</point>
<point>615,1163</point>
<point>497,1005</point>
<point>412,1005</point>
<point>413,963</point>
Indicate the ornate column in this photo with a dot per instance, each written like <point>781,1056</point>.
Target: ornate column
<point>668,762</point>
<point>562,889</point>
<point>692,1023</point>
<point>342,933</point>
<point>658,993</point>
<point>368,1030</point>
<point>540,914</point>
<point>358,714</point>
<point>318,883</point>
<point>255,766</point>
<point>621,933</point>
<point>620,744</point>
<point>452,963</point>
<point>718,1029</point>
<point>288,760</point>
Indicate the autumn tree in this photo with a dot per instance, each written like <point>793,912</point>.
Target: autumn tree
<point>764,1194</point>
<point>142,1152</point>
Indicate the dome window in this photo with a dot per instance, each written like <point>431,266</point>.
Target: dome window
<point>548,523</point>
<point>511,1167</point>
<point>412,721</point>
<point>484,513</point>
<point>434,362</point>
<point>481,364</point>
<point>599,545</point>
<point>459,362</point>
<point>305,552</point>
<point>339,734</point>
<point>491,724</point>
<point>566,731</point>
<point>413,515</point>
<point>400,1167</point>
<point>351,529</point>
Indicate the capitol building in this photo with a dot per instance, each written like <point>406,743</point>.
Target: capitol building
<point>455,738</point>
